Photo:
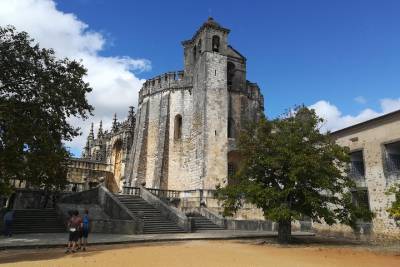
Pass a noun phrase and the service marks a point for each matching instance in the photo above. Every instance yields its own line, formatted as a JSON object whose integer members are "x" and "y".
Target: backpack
{"x": 85, "y": 222}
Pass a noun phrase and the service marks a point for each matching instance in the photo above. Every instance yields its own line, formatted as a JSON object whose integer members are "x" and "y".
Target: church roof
{"x": 209, "y": 23}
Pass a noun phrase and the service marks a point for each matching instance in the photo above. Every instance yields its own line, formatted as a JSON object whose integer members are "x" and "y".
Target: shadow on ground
{"x": 29, "y": 255}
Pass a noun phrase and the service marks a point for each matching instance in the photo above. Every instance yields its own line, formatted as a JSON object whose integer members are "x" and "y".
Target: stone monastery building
{"x": 181, "y": 144}
{"x": 183, "y": 134}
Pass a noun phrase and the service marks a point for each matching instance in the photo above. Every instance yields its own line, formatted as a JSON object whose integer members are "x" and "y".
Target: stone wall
{"x": 216, "y": 121}
{"x": 370, "y": 138}
{"x": 108, "y": 214}
{"x": 199, "y": 95}
{"x": 82, "y": 171}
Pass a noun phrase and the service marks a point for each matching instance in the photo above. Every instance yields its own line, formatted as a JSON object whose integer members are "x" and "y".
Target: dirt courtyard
{"x": 203, "y": 253}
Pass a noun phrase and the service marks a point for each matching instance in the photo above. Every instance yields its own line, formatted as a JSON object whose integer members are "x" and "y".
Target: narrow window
{"x": 215, "y": 43}
{"x": 178, "y": 127}
{"x": 392, "y": 157}
{"x": 230, "y": 72}
{"x": 357, "y": 169}
{"x": 194, "y": 53}
{"x": 360, "y": 199}
{"x": 199, "y": 46}
{"x": 357, "y": 164}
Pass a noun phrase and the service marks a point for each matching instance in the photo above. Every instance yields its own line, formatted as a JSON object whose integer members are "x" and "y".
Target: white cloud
{"x": 115, "y": 86}
{"x": 335, "y": 120}
{"x": 360, "y": 100}
{"x": 389, "y": 105}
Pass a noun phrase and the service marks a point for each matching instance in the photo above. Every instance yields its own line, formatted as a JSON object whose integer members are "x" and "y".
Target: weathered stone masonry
{"x": 187, "y": 120}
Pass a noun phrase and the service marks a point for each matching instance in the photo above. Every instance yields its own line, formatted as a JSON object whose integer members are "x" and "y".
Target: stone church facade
{"x": 105, "y": 156}
{"x": 183, "y": 136}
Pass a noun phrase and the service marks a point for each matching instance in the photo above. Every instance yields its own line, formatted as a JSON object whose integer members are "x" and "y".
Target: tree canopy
{"x": 38, "y": 94}
{"x": 291, "y": 170}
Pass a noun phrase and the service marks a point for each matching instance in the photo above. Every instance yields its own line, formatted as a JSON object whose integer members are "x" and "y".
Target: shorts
{"x": 73, "y": 236}
{"x": 85, "y": 233}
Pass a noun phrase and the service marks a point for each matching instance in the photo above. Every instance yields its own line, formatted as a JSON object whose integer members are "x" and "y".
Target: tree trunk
{"x": 284, "y": 231}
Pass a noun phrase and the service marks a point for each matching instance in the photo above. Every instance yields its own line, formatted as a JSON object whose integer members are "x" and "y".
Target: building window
{"x": 392, "y": 157}
{"x": 215, "y": 43}
{"x": 357, "y": 169}
{"x": 178, "y": 127}
{"x": 360, "y": 198}
{"x": 392, "y": 162}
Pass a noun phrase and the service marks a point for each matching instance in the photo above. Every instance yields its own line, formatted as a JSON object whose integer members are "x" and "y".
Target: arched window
{"x": 231, "y": 128}
{"x": 230, "y": 72}
{"x": 215, "y": 43}
{"x": 199, "y": 46}
{"x": 178, "y": 127}
{"x": 194, "y": 52}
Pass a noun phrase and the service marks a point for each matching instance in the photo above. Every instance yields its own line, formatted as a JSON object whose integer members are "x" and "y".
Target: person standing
{"x": 74, "y": 227}
{"x": 8, "y": 221}
{"x": 85, "y": 229}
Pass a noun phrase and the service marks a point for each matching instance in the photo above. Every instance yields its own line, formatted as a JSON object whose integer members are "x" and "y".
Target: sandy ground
{"x": 203, "y": 253}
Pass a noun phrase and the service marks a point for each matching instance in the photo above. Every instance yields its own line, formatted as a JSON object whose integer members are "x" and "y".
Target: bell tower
{"x": 210, "y": 37}
{"x": 206, "y": 64}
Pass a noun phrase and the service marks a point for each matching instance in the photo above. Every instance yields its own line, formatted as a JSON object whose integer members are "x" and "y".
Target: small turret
{"x": 86, "y": 151}
{"x": 114, "y": 124}
{"x": 91, "y": 134}
{"x": 100, "y": 132}
{"x": 131, "y": 117}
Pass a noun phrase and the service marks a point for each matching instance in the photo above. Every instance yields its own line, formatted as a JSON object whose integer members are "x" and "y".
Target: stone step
{"x": 154, "y": 221}
{"x": 158, "y": 223}
{"x": 203, "y": 223}
{"x": 164, "y": 232}
{"x": 37, "y": 221}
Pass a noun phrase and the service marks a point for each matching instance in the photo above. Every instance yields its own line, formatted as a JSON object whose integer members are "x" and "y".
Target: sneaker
{"x": 84, "y": 249}
{"x": 67, "y": 251}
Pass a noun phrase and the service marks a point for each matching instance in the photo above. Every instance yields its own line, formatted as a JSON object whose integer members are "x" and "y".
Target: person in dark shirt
{"x": 74, "y": 227}
{"x": 8, "y": 221}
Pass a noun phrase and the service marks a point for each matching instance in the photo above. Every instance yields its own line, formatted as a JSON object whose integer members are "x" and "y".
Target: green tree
{"x": 38, "y": 94}
{"x": 394, "y": 210}
{"x": 290, "y": 170}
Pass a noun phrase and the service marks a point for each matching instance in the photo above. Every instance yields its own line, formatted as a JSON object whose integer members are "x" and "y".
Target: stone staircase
{"x": 37, "y": 221}
{"x": 154, "y": 222}
{"x": 201, "y": 223}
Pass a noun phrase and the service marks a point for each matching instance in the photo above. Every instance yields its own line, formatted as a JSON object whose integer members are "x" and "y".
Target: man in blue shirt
{"x": 85, "y": 229}
{"x": 8, "y": 220}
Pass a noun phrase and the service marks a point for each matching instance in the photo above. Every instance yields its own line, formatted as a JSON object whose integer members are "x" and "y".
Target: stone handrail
{"x": 215, "y": 218}
{"x": 108, "y": 202}
{"x": 232, "y": 224}
{"x": 112, "y": 206}
{"x": 169, "y": 212}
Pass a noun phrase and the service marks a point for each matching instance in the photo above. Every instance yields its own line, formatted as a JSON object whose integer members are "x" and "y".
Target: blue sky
{"x": 340, "y": 57}
{"x": 298, "y": 51}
